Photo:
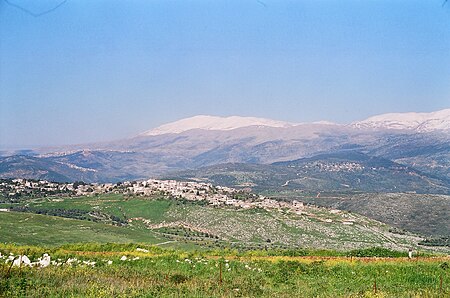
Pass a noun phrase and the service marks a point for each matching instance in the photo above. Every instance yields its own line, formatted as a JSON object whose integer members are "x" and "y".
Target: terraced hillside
{"x": 425, "y": 214}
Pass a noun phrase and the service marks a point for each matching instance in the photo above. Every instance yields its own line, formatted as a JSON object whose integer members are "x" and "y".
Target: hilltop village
{"x": 13, "y": 189}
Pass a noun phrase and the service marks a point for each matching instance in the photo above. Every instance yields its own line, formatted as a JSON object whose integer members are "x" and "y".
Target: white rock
{"x": 22, "y": 261}
{"x": 44, "y": 261}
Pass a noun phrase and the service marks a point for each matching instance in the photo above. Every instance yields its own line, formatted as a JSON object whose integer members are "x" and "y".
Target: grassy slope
{"x": 26, "y": 228}
{"x": 114, "y": 204}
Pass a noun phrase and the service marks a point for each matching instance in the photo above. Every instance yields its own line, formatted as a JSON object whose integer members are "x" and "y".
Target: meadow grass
{"x": 28, "y": 228}
{"x": 174, "y": 273}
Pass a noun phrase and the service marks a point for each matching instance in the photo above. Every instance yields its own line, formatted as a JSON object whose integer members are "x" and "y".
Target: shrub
{"x": 376, "y": 252}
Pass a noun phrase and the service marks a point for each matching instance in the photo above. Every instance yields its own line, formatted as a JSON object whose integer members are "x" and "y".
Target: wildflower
{"x": 110, "y": 262}
{"x": 142, "y": 249}
{"x": 70, "y": 261}
{"x": 89, "y": 263}
{"x": 123, "y": 258}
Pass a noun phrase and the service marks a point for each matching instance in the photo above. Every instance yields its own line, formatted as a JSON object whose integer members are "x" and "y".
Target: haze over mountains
{"x": 411, "y": 149}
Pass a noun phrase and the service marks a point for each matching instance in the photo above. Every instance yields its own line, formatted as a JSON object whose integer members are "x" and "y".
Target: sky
{"x": 96, "y": 70}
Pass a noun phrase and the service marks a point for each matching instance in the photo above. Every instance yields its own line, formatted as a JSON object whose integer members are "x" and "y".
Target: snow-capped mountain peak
{"x": 421, "y": 122}
{"x": 214, "y": 123}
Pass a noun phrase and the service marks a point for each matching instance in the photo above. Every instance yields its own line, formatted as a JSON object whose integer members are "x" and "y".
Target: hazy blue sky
{"x": 103, "y": 70}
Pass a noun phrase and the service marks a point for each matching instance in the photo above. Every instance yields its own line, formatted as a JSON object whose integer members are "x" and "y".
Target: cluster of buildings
{"x": 192, "y": 191}
{"x": 15, "y": 188}
{"x": 336, "y": 166}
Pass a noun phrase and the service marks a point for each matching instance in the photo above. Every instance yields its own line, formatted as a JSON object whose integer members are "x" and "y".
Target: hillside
{"x": 36, "y": 229}
{"x": 156, "y": 219}
{"x": 37, "y": 168}
{"x": 424, "y": 214}
{"x": 345, "y": 170}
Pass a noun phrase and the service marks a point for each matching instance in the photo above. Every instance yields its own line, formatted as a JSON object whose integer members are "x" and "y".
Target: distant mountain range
{"x": 391, "y": 152}
{"x": 421, "y": 122}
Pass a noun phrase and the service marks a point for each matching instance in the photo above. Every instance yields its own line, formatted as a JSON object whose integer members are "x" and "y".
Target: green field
{"x": 169, "y": 273}
{"x": 33, "y": 229}
{"x": 114, "y": 204}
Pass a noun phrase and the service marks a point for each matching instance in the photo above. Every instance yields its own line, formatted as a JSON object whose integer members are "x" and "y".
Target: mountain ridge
{"x": 421, "y": 122}
{"x": 208, "y": 122}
